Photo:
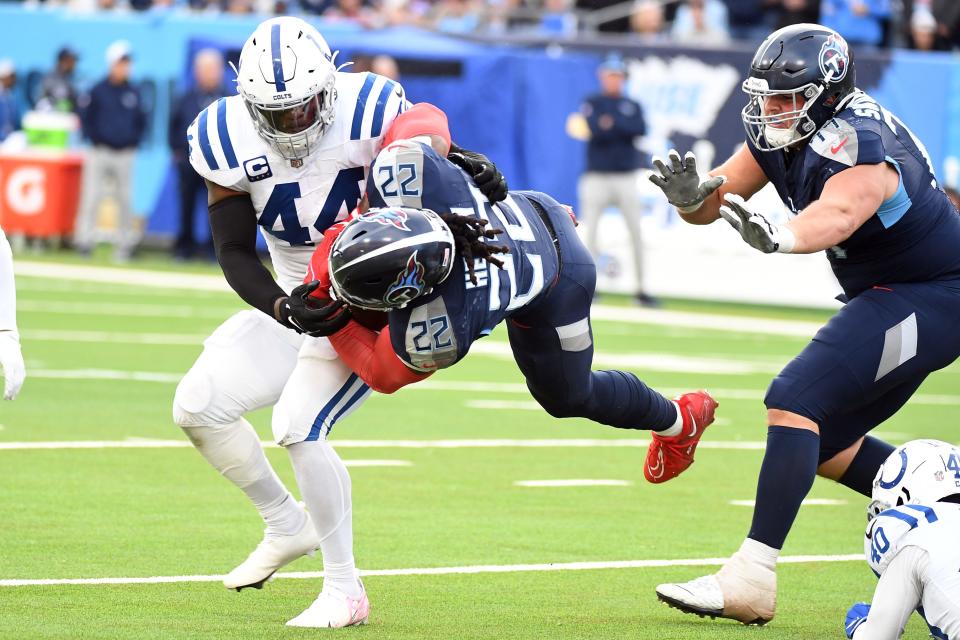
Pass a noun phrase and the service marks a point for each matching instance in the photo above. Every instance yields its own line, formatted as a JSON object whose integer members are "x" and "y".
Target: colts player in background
{"x": 288, "y": 155}
{"x": 11, "y": 360}
{"x": 862, "y": 189}
{"x": 447, "y": 266}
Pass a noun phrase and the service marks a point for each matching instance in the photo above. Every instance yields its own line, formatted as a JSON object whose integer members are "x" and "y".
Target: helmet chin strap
{"x": 778, "y": 137}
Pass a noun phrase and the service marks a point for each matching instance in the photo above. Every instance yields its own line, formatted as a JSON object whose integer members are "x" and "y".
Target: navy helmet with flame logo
{"x": 808, "y": 62}
{"x": 388, "y": 257}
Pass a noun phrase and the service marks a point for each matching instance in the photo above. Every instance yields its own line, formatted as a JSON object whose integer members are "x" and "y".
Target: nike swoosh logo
{"x": 657, "y": 471}
{"x": 839, "y": 145}
{"x": 694, "y": 421}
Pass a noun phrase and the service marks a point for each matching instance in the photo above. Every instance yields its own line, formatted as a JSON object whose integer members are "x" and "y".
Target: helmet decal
{"x": 408, "y": 285}
{"x": 834, "y": 59}
{"x": 889, "y": 484}
{"x": 396, "y": 218}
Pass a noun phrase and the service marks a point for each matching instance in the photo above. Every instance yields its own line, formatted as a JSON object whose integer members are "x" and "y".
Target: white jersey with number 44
{"x": 296, "y": 201}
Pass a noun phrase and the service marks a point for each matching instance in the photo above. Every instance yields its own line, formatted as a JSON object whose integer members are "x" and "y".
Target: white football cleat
{"x": 273, "y": 552}
{"x": 742, "y": 590}
{"x": 334, "y": 609}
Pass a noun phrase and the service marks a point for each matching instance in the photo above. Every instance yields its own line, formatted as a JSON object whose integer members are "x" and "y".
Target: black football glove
{"x": 485, "y": 174}
{"x": 308, "y": 315}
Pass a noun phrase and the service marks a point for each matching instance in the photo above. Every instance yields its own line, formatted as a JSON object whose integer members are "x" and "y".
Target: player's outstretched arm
{"x": 848, "y": 200}
{"x": 11, "y": 360}
{"x": 897, "y": 596}
{"x": 698, "y": 201}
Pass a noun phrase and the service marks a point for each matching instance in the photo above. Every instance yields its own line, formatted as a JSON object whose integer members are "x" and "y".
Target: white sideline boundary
{"x": 436, "y": 571}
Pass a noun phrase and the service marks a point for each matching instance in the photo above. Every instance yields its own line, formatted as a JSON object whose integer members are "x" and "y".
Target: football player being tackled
{"x": 445, "y": 266}
{"x": 288, "y": 155}
{"x": 862, "y": 189}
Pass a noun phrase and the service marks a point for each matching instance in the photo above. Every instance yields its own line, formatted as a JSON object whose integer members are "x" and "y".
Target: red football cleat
{"x": 669, "y": 456}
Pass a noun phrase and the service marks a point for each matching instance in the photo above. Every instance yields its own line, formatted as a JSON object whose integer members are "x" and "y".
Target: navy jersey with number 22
{"x": 436, "y": 331}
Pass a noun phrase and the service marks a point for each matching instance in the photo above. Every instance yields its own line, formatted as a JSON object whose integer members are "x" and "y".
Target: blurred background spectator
{"x": 208, "y": 86}
{"x": 615, "y": 123}
{"x": 923, "y": 29}
{"x": 10, "y": 108}
{"x": 647, "y": 20}
{"x": 749, "y": 20}
{"x": 113, "y": 121}
{"x": 57, "y": 89}
{"x": 798, "y": 11}
{"x": 701, "y": 22}
{"x": 858, "y": 21}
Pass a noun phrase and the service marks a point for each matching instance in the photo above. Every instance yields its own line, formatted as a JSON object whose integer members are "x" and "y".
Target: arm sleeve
{"x": 8, "y": 292}
{"x": 371, "y": 356}
{"x": 897, "y": 596}
{"x": 233, "y": 225}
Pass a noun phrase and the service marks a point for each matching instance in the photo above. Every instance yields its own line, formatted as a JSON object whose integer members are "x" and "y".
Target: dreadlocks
{"x": 468, "y": 233}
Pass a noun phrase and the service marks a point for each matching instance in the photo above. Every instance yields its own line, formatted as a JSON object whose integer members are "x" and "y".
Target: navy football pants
{"x": 552, "y": 343}
{"x": 867, "y": 361}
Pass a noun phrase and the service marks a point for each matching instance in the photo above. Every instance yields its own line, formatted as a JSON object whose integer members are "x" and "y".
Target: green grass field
{"x": 103, "y": 361}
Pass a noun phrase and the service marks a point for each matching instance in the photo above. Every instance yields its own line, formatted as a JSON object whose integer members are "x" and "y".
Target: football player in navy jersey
{"x": 861, "y": 188}
{"x": 447, "y": 266}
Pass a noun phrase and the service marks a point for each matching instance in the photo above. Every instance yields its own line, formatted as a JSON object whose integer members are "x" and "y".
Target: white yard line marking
{"x": 112, "y": 275}
{"x": 438, "y": 571}
{"x": 572, "y": 483}
{"x": 653, "y": 361}
{"x": 439, "y": 385}
{"x": 144, "y": 278}
{"x": 113, "y": 337}
{"x": 132, "y": 310}
{"x": 560, "y": 443}
{"x": 809, "y": 502}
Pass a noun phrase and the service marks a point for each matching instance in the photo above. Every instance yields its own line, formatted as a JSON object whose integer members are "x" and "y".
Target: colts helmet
{"x": 387, "y": 257}
{"x": 918, "y": 472}
{"x": 286, "y": 78}
{"x": 811, "y": 63}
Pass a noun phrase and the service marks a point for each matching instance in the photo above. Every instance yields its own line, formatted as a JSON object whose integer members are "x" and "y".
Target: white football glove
{"x": 11, "y": 361}
{"x": 680, "y": 182}
{"x": 754, "y": 228}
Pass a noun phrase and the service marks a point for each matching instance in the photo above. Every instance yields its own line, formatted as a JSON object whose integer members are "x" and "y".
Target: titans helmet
{"x": 387, "y": 257}
{"x": 286, "y": 77}
{"x": 811, "y": 64}
{"x": 918, "y": 472}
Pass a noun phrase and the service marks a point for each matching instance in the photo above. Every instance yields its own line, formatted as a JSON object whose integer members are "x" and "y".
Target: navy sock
{"x": 863, "y": 468}
{"x": 621, "y": 399}
{"x": 786, "y": 475}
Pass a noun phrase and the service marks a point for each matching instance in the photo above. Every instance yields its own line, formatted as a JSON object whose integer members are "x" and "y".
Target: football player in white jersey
{"x": 911, "y": 544}
{"x": 289, "y": 154}
{"x": 11, "y": 360}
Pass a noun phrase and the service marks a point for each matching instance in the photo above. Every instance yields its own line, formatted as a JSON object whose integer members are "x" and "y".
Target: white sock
{"x": 235, "y": 451}
{"x": 325, "y": 486}
{"x": 760, "y": 553}
{"x": 677, "y": 427}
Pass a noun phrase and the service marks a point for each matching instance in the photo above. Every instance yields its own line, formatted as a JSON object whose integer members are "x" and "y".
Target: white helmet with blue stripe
{"x": 286, "y": 78}
{"x": 918, "y": 472}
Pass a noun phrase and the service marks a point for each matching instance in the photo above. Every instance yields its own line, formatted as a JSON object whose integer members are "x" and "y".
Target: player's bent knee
{"x": 562, "y": 406}
{"x": 782, "y": 418}
{"x": 194, "y": 403}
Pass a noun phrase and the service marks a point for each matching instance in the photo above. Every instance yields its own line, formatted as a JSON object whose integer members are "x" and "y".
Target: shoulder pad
{"x": 370, "y": 103}
{"x": 428, "y": 342}
{"x": 211, "y": 146}
{"x": 837, "y": 141}
{"x": 397, "y": 174}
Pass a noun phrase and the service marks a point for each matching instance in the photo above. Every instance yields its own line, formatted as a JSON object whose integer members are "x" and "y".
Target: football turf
{"x": 104, "y": 360}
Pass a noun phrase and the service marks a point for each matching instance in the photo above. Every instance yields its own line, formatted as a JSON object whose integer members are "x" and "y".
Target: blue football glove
{"x": 855, "y": 617}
